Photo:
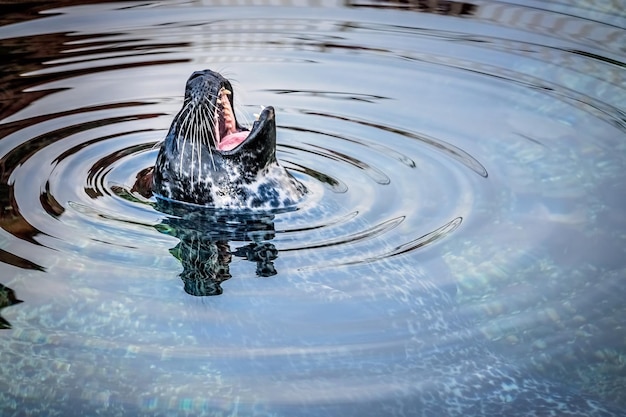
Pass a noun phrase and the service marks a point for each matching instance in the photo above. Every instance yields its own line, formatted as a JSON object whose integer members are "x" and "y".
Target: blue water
{"x": 466, "y": 168}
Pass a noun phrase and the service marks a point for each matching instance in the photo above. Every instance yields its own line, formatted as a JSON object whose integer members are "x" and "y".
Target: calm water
{"x": 467, "y": 209}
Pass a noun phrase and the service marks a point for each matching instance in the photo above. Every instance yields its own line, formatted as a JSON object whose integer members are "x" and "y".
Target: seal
{"x": 208, "y": 158}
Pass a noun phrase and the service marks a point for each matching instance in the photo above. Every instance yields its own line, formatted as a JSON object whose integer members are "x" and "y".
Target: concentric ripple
{"x": 465, "y": 166}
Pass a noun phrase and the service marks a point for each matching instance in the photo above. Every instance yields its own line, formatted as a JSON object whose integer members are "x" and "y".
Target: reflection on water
{"x": 444, "y": 7}
{"x": 461, "y": 250}
{"x": 203, "y": 248}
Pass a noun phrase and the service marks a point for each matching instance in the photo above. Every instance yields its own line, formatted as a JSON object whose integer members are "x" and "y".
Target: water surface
{"x": 466, "y": 165}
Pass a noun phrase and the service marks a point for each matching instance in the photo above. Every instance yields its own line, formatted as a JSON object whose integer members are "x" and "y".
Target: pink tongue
{"x": 229, "y": 142}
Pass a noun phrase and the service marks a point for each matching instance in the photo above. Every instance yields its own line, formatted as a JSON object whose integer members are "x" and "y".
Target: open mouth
{"x": 227, "y": 132}
{"x": 228, "y": 135}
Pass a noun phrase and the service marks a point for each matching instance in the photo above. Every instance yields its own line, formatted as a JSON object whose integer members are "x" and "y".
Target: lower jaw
{"x": 233, "y": 140}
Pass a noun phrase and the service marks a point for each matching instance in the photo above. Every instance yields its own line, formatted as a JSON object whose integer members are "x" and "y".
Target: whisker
{"x": 181, "y": 131}
{"x": 244, "y": 116}
{"x": 207, "y": 134}
{"x": 198, "y": 134}
{"x": 201, "y": 121}
{"x": 193, "y": 136}
{"x": 180, "y": 114}
{"x": 198, "y": 120}
{"x": 210, "y": 103}
{"x": 216, "y": 127}
{"x": 207, "y": 115}
{"x": 211, "y": 108}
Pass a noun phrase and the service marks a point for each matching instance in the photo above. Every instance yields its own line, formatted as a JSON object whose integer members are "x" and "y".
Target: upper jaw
{"x": 222, "y": 131}
{"x": 261, "y": 139}
{"x": 224, "y": 119}
{"x": 229, "y": 136}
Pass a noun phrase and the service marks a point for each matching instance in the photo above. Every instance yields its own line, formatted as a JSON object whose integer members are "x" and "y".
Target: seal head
{"x": 209, "y": 159}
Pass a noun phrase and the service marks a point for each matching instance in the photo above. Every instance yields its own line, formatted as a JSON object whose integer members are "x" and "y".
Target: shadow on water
{"x": 204, "y": 248}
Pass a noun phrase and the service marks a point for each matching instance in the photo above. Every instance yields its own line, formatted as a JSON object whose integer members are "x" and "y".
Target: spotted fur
{"x": 191, "y": 167}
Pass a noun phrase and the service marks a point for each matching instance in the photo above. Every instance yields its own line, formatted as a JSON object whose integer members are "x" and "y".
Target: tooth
{"x": 257, "y": 115}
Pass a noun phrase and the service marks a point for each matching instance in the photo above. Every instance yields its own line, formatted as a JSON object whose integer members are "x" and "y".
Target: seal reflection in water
{"x": 208, "y": 158}
{"x": 204, "y": 243}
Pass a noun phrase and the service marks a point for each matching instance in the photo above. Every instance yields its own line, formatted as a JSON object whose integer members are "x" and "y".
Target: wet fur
{"x": 190, "y": 168}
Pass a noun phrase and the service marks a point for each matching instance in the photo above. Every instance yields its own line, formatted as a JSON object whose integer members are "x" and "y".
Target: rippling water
{"x": 466, "y": 166}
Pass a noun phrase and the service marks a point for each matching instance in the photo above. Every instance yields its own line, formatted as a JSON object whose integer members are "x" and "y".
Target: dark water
{"x": 467, "y": 209}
